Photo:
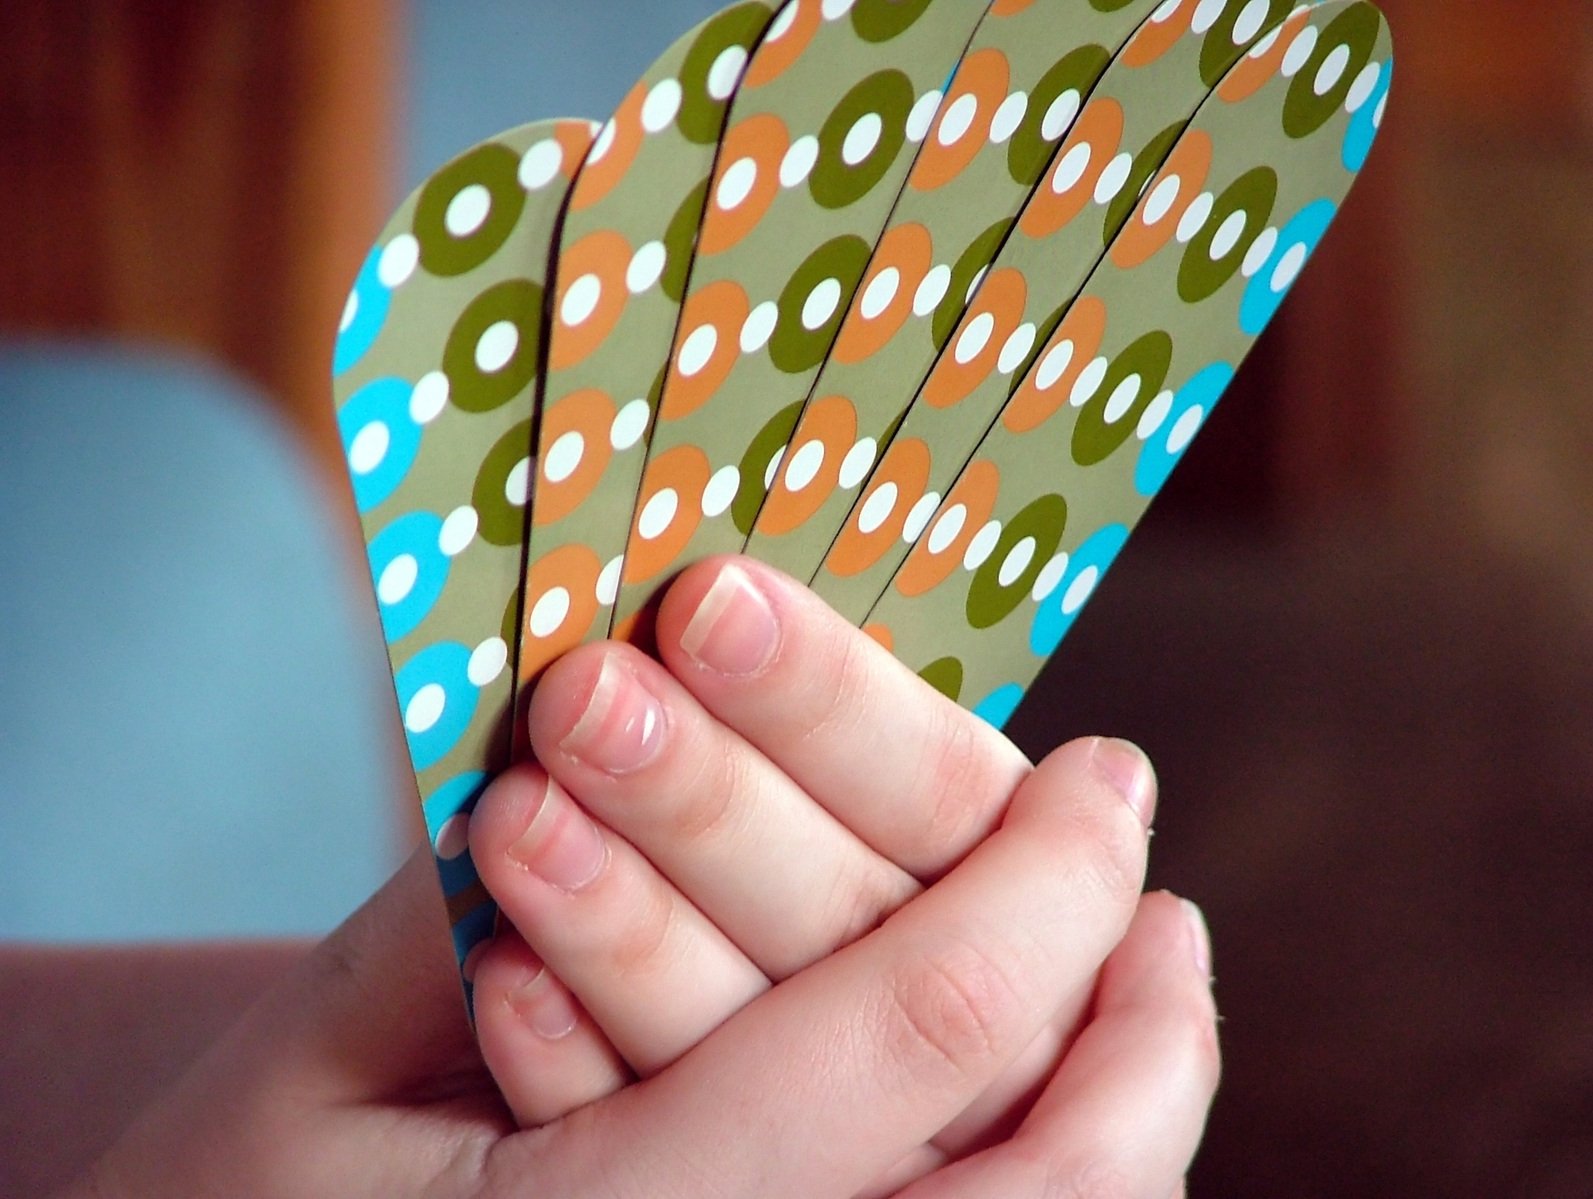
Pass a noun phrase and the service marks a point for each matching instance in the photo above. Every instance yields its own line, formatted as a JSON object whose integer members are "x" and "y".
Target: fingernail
{"x": 623, "y": 724}
{"x": 733, "y": 631}
{"x": 1200, "y": 938}
{"x": 561, "y": 846}
{"x": 544, "y": 1006}
{"x": 1125, "y": 766}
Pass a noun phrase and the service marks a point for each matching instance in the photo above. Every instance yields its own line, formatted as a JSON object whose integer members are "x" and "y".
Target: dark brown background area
{"x": 1356, "y": 633}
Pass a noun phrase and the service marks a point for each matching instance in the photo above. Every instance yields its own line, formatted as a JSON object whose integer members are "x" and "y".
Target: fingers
{"x": 1125, "y": 1111}
{"x": 839, "y": 1073}
{"x": 912, "y": 774}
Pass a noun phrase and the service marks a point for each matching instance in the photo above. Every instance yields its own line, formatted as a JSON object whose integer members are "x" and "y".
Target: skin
{"x": 786, "y": 922}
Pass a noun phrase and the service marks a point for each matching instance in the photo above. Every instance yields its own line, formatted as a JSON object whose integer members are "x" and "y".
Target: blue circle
{"x": 1362, "y": 133}
{"x": 385, "y": 402}
{"x": 415, "y": 535}
{"x": 1157, "y": 457}
{"x": 371, "y": 300}
{"x": 446, "y": 665}
{"x": 1051, "y": 623}
{"x": 457, "y": 795}
{"x": 997, "y": 707}
{"x": 1262, "y": 299}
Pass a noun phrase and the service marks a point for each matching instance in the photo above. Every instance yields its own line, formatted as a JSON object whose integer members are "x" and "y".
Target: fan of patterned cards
{"x": 919, "y": 300}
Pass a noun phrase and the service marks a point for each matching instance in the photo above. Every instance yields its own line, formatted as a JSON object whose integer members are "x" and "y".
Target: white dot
{"x": 1165, "y": 12}
{"x": 453, "y": 838}
{"x": 548, "y": 613}
{"x": 604, "y": 142}
{"x": 468, "y": 210}
{"x": 1155, "y": 413}
{"x": 369, "y": 447}
{"x": 781, "y": 25}
{"x": 487, "y": 661}
{"x": 918, "y": 517}
{"x": 1299, "y": 51}
{"x": 1080, "y": 590}
{"x": 458, "y": 531}
{"x": 975, "y": 336}
{"x": 1016, "y": 562}
{"x": 563, "y": 456}
{"x": 657, "y": 514}
{"x": 1363, "y": 87}
{"x": 1377, "y": 114}
{"x": 1260, "y": 250}
{"x": 1016, "y": 349}
{"x": 879, "y": 293}
{"x": 497, "y": 346}
{"x": 661, "y": 105}
{"x": 608, "y": 580}
{"x": 540, "y": 164}
{"x": 398, "y": 579}
{"x": 735, "y": 185}
{"x": 1162, "y": 199}
{"x": 429, "y": 398}
{"x": 804, "y": 465}
{"x": 351, "y": 309}
{"x": 1184, "y": 429}
{"x": 1049, "y": 578}
{"x": 759, "y": 326}
{"x": 859, "y": 459}
{"x": 697, "y": 349}
{"x": 798, "y": 161}
{"x": 982, "y": 546}
{"x": 1070, "y": 168}
{"x": 726, "y": 72}
{"x": 1009, "y": 116}
{"x": 946, "y": 528}
{"x": 821, "y": 303}
{"x": 630, "y": 422}
{"x": 720, "y": 491}
{"x": 580, "y": 300}
{"x": 398, "y": 261}
{"x": 1054, "y": 365}
{"x": 922, "y": 115}
{"x": 1089, "y": 382}
{"x": 1123, "y": 397}
{"x": 1228, "y": 235}
{"x": 517, "y": 484}
{"x": 861, "y": 138}
{"x": 835, "y": 9}
{"x": 1060, "y": 115}
{"x": 425, "y": 708}
{"x": 1206, "y": 14}
{"x": 1114, "y": 178}
{"x": 957, "y": 119}
{"x": 1250, "y": 21}
{"x": 877, "y": 507}
{"x": 973, "y": 284}
{"x": 773, "y": 467}
{"x": 646, "y": 265}
{"x": 1195, "y": 217}
{"x": 932, "y": 289}
{"x": 1289, "y": 267}
{"x": 1264, "y": 47}
{"x": 1331, "y": 70}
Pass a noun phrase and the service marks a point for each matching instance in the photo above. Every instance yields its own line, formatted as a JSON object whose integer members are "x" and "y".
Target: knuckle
{"x": 1090, "y": 1178}
{"x": 704, "y": 802}
{"x": 641, "y": 944}
{"x": 860, "y": 902}
{"x": 834, "y": 698}
{"x": 954, "y": 775}
{"x": 950, "y": 1015}
{"x": 1110, "y": 850}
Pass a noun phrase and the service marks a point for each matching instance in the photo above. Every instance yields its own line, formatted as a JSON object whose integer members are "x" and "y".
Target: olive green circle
{"x": 795, "y": 348}
{"x": 1146, "y": 163}
{"x": 1029, "y": 152}
{"x": 1356, "y": 28}
{"x": 1110, "y": 5}
{"x": 510, "y": 628}
{"x": 1220, "y": 51}
{"x": 701, "y": 117}
{"x": 1254, "y": 193}
{"x": 834, "y": 183}
{"x": 493, "y": 167}
{"x": 502, "y": 523}
{"x": 945, "y": 676}
{"x": 518, "y": 301}
{"x": 981, "y": 252}
{"x": 1150, "y": 357}
{"x": 881, "y": 20}
{"x": 989, "y": 602}
{"x": 769, "y": 441}
{"x": 680, "y": 239}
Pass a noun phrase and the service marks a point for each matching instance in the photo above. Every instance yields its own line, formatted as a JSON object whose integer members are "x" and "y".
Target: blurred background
{"x": 1356, "y": 632}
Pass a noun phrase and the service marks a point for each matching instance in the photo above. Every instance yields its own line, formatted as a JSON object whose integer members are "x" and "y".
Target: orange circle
{"x": 1033, "y": 404}
{"x": 722, "y": 308}
{"x": 603, "y": 256}
{"x": 780, "y": 49}
{"x": 998, "y": 304}
{"x": 599, "y": 175}
{"x": 587, "y": 414}
{"x": 1250, "y": 74}
{"x": 983, "y": 76}
{"x": 574, "y": 569}
{"x": 831, "y": 425}
{"x": 760, "y": 141}
{"x": 1006, "y": 8}
{"x": 1155, "y": 38}
{"x": 905, "y": 467}
{"x": 1100, "y": 128}
{"x": 909, "y": 251}
{"x": 682, "y": 470}
{"x": 882, "y": 634}
{"x": 1189, "y": 164}
{"x": 975, "y": 490}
